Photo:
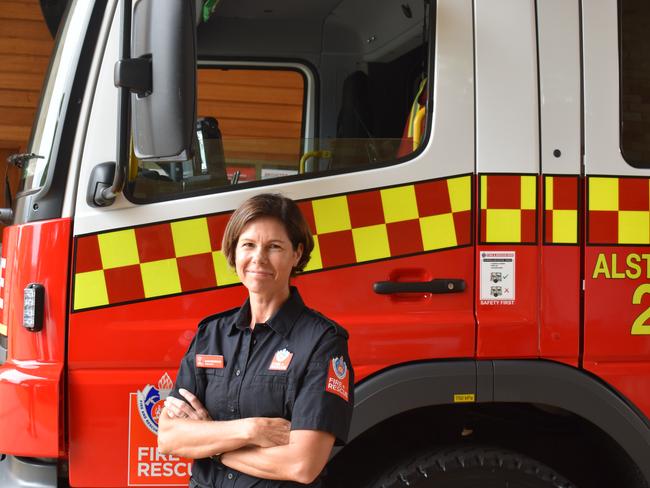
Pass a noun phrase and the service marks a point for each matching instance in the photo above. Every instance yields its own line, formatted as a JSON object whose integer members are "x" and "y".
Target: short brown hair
{"x": 274, "y": 206}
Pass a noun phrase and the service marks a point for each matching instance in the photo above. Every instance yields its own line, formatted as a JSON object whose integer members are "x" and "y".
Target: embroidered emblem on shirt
{"x": 337, "y": 378}
{"x": 209, "y": 361}
{"x": 281, "y": 360}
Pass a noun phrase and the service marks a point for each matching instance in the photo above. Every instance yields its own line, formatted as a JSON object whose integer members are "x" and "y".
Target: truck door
{"x": 617, "y": 202}
{"x": 366, "y": 122}
{"x": 558, "y": 25}
{"x": 507, "y": 160}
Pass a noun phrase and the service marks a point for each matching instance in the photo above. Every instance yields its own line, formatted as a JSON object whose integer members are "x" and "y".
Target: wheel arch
{"x": 415, "y": 385}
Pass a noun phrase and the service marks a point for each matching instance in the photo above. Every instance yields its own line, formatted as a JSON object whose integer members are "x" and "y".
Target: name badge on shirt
{"x": 209, "y": 361}
{"x": 281, "y": 360}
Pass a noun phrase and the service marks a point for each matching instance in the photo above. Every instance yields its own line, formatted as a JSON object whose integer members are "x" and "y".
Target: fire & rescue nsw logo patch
{"x": 146, "y": 465}
{"x": 151, "y": 401}
{"x": 281, "y": 360}
{"x": 338, "y": 379}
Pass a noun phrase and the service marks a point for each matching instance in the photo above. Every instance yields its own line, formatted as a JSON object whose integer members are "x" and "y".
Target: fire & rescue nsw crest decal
{"x": 146, "y": 465}
{"x": 338, "y": 379}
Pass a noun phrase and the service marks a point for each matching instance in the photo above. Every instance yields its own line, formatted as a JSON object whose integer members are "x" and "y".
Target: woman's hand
{"x": 176, "y": 408}
{"x": 269, "y": 432}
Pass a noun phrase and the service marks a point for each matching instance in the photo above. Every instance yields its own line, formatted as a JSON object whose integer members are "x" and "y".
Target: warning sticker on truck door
{"x": 497, "y": 278}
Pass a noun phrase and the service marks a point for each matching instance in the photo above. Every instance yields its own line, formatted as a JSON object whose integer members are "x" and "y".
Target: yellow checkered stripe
{"x": 508, "y": 209}
{"x": 170, "y": 258}
{"x": 561, "y": 203}
{"x": 618, "y": 210}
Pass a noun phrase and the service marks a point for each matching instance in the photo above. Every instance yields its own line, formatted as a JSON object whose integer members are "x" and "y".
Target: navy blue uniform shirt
{"x": 295, "y": 366}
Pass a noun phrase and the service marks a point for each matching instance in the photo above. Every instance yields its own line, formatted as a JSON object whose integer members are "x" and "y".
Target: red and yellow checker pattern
{"x": 508, "y": 208}
{"x": 561, "y": 209}
{"x": 170, "y": 258}
{"x": 619, "y": 210}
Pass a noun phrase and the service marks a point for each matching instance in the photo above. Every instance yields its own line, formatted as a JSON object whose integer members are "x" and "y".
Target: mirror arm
{"x": 107, "y": 195}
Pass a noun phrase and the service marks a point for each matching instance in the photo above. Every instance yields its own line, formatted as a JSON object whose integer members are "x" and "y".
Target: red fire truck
{"x": 477, "y": 178}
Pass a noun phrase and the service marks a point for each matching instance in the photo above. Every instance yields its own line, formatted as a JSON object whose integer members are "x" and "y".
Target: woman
{"x": 265, "y": 390}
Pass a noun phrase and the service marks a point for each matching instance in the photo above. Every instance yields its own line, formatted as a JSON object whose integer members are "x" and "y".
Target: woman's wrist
{"x": 250, "y": 430}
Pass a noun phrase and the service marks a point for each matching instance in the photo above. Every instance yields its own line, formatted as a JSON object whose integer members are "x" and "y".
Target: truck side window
{"x": 352, "y": 94}
{"x": 634, "y": 45}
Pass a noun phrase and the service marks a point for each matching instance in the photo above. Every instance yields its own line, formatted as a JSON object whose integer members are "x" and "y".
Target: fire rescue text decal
{"x": 146, "y": 465}
{"x": 632, "y": 266}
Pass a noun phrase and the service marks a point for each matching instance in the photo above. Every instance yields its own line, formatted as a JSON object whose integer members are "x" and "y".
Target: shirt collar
{"x": 281, "y": 322}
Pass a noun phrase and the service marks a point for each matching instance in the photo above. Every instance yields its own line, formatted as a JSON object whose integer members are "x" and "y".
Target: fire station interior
{"x": 299, "y": 89}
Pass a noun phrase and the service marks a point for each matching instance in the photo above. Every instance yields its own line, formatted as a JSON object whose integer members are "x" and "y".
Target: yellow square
{"x": 160, "y": 278}
{"x": 118, "y": 249}
{"x": 90, "y": 290}
{"x": 191, "y": 237}
{"x": 460, "y": 193}
{"x": 371, "y": 242}
{"x": 484, "y": 192}
{"x": 565, "y": 226}
{"x": 315, "y": 261}
{"x": 399, "y": 204}
{"x": 225, "y": 274}
{"x": 633, "y": 227}
{"x": 528, "y": 192}
{"x": 549, "y": 193}
{"x": 438, "y": 232}
{"x": 331, "y": 214}
{"x": 503, "y": 225}
{"x": 603, "y": 193}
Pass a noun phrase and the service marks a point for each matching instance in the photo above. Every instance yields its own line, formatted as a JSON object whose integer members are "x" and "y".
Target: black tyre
{"x": 471, "y": 468}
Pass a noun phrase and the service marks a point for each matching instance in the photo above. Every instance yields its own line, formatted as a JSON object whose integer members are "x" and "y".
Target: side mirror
{"x": 161, "y": 76}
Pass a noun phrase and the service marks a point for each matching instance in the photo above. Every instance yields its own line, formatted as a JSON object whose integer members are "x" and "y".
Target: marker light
{"x": 33, "y": 302}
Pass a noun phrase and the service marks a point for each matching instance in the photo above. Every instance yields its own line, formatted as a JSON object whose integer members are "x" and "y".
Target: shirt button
{"x": 238, "y": 372}
{"x": 232, "y": 409}
{"x": 254, "y": 341}
{"x": 230, "y": 476}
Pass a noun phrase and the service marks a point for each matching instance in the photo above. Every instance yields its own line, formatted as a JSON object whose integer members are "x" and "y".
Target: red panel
{"x": 88, "y": 256}
{"x": 633, "y": 194}
{"x": 196, "y": 272}
{"x": 365, "y": 209}
{"x": 504, "y": 191}
{"x": 216, "y": 229}
{"x": 548, "y": 231}
{"x": 124, "y": 284}
{"x": 463, "y": 226}
{"x": 483, "y": 225}
{"x": 603, "y": 226}
{"x": 528, "y": 225}
{"x": 612, "y": 275}
{"x": 155, "y": 242}
{"x": 433, "y": 198}
{"x": 404, "y": 237}
{"x": 308, "y": 212}
{"x": 565, "y": 193}
{"x": 560, "y": 303}
{"x": 30, "y": 390}
{"x": 337, "y": 248}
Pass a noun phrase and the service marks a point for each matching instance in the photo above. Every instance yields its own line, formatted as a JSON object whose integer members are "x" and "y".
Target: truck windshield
{"x": 48, "y": 124}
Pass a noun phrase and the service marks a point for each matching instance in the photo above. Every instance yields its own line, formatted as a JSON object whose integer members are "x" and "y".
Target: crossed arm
{"x": 258, "y": 446}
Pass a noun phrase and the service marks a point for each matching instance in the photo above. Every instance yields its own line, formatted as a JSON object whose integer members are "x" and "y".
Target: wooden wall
{"x": 259, "y": 112}
{"x": 25, "y": 46}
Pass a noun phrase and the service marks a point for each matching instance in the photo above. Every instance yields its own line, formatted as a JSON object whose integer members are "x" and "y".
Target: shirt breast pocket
{"x": 272, "y": 394}
{"x": 215, "y": 391}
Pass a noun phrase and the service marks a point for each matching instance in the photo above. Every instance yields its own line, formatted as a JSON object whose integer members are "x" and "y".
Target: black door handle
{"x": 438, "y": 285}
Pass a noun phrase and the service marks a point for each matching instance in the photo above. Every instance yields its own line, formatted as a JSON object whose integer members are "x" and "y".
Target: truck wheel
{"x": 470, "y": 468}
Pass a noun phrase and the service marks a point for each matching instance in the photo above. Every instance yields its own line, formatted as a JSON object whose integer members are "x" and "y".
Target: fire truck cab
{"x": 477, "y": 179}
